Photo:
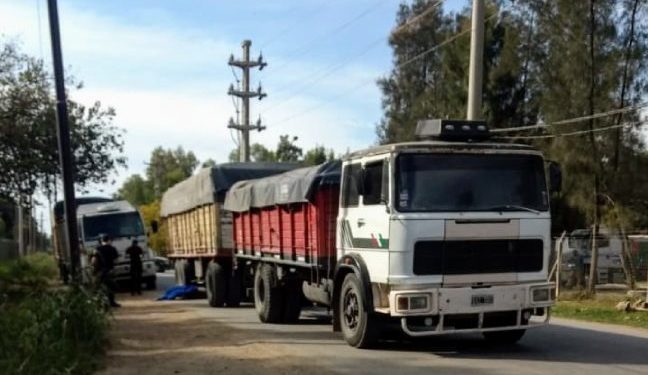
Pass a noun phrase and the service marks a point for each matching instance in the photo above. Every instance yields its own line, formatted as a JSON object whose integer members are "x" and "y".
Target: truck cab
{"x": 123, "y": 223}
{"x": 448, "y": 234}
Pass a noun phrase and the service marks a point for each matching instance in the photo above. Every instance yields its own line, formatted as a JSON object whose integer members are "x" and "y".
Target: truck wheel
{"x": 360, "y": 328}
{"x": 215, "y": 282}
{"x": 504, "y": 337}
{"x": 180, "y": 276}
{"x": 151, "y": 284}
{"x": 234, "y": 287}
{"x": 268, "y": 296}
{"x": 292, "y": 301}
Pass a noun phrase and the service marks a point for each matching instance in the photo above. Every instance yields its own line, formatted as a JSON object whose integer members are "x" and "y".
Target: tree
{"x": 287, "y": 150}
{"x": 28, "y": 144}
{"x": 136, "y": 190}
{"x": 168, "y": 167}
{"x": 157, "y": 241}
{"x": 430, "y": 74}
{"x": 318, "y": 155}
{"x": 209, "y": 163}
{"x": 258, "y": 153}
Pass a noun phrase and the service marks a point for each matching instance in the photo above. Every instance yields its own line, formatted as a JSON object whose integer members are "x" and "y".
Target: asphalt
{"x": 563, "y": 347}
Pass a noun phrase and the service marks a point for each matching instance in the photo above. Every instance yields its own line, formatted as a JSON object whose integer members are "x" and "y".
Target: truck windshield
{"x": 114, "y": 225}
{"x": 470, "y": 182}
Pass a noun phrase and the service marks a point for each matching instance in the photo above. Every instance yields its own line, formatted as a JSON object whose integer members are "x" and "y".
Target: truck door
{"x": 363, "y": 224}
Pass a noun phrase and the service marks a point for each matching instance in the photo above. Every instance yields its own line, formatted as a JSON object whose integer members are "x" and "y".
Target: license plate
{"x": 483, "y": 299}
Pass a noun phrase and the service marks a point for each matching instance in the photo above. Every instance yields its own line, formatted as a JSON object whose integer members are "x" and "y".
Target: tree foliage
{"x": 28, "y": 144}
{"x": 167, "y": 167}
{"x": 287, "y": 151}
{"x": 543, "y": 61}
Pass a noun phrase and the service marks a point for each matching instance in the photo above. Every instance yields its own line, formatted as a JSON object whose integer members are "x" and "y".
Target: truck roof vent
{"x": 452, "y": 130}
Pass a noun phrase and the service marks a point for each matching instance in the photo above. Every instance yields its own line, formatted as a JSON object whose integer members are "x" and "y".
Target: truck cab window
{"x": 374, "y": 189}
{"x": 350, "y": 195}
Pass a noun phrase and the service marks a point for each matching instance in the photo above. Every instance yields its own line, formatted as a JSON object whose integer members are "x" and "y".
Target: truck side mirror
{"x": 154, "y": 226}
{"x": 555, "y": 177}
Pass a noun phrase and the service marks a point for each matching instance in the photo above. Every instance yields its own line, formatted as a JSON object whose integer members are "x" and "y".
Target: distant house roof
{"x": 209, "y": 185}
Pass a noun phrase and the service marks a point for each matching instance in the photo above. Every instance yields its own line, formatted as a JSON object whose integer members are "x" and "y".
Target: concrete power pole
{"x": 245, "y": 94}
{"x": 476, "y": 61}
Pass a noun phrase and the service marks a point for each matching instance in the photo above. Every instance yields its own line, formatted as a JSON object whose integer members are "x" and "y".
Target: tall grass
{"x": 46, "y": 328}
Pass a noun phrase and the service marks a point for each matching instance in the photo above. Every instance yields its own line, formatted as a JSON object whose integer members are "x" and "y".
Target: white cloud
{"x": 168, "y": 84}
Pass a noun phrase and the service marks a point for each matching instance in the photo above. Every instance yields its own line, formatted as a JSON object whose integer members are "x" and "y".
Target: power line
{"x": 330, "y": 69}
{"x": 304, "y": 47}
{"x": 399, "y": 66}
{"x": 285, "y": 30}
{"x": 573, "y": 120}
{"x": 577, "y": 132}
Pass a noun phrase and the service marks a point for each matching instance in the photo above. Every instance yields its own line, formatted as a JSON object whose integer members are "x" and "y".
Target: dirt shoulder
{"x": 151, "y": 337}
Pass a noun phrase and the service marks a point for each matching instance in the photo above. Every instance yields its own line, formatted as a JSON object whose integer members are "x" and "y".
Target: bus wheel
{"x": 360, "y": 328}
{"x": 268, "y": 296}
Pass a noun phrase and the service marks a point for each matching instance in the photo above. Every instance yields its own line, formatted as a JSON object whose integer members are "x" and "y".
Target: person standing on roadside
{"x": 104, "y": 262}
{"x": 135, "y": 254}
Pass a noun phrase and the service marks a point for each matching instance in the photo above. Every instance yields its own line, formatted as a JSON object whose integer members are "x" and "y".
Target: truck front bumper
{"x": 468, "y": 309}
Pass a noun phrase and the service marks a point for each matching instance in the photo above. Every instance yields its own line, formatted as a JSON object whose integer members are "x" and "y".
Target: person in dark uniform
{"x": 135, "y": 253}
{"x": 104, "y": 262}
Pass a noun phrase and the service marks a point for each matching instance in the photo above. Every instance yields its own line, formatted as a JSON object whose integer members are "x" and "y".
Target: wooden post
{"x": 593, "y": 275}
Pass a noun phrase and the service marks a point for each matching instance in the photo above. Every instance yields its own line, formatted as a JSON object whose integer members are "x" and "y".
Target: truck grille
{"x": 476, "y": 257}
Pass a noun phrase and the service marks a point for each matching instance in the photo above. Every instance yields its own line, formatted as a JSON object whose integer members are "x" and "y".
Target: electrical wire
{"x": 577, "y": 132}
{"x": 399, "y": 66}
{"x": 330, "y": 69}
{"x": 285, "y": 30}
{"x": 573, "y": 120}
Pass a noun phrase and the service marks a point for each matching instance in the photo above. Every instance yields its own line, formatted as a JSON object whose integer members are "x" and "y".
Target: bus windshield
{"x": 115, "y": 225}
{"x": 470, "y": 182}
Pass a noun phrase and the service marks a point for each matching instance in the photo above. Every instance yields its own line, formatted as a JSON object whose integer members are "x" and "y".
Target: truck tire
{"x": 504, "y": 337}
{"x": 268, "y": 296}
{"x": 215, "y": 283}
{"x": 234, "y": 287}
{"x": 360, "y": 328}
{"x": 292, "y": 301}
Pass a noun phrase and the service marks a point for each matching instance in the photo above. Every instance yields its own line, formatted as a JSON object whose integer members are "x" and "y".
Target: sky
{"x": 162, "y": 65}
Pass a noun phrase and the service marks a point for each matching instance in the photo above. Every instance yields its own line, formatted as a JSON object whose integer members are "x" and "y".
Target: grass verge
{"x": 600, "y": 309}
{"x": 47, "y": 328}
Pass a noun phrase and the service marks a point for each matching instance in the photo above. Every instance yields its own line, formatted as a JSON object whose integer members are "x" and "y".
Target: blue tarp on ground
{"x": 178, "y": 291}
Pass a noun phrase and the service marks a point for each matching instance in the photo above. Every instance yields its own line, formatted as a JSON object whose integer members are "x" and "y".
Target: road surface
{"x": 189, "y": 337}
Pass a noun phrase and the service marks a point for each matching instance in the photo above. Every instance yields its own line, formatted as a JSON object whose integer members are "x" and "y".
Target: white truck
{"x": 118, "y": 219}
{"x": 449, "y": 234}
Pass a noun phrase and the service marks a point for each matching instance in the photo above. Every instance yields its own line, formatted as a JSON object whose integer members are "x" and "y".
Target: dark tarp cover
{"x": 210, "y": 184}
{"x": 294, "y": 186}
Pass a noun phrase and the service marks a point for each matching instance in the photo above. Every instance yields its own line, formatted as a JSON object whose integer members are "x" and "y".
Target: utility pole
{"x": 245, "y": 94}
{"x": 63, "y": 135}
{"x": 21, "y": 229}
{"x": 476, "y": 61}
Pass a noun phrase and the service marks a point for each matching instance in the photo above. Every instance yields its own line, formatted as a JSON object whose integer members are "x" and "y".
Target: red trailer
{"x": 284, "y": 236}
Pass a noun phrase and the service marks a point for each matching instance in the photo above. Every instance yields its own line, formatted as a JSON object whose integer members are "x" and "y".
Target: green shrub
{"x": 48, "y": 328}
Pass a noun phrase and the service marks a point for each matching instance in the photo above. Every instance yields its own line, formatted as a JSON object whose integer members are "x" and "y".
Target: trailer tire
{"x": 234, "y": 287}
{"x": 151, "y": 283}
{"x": 504, "y": 337}
{"x": 268, "y": 296}
{"x": 292, "y": 301}
{"x": 360, "y": 328}
{"x": 215, "y": 283}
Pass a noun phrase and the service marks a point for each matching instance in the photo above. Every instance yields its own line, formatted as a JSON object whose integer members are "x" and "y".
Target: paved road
{"x": 562, "y": 348}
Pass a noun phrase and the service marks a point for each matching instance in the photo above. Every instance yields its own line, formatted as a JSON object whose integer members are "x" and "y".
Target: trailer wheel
{"x": 215, "y": 283}
{"x": 234, "y": 287}
{"x": 504, "y": 337}
{"x": 268, "y": 296}
{"x": 360, "y": 328}
{"x": 292, "y": 301}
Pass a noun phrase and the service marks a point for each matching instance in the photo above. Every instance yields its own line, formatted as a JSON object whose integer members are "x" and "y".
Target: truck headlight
{"x": 541, "y": 294}
{"x": 412, "y": 302}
